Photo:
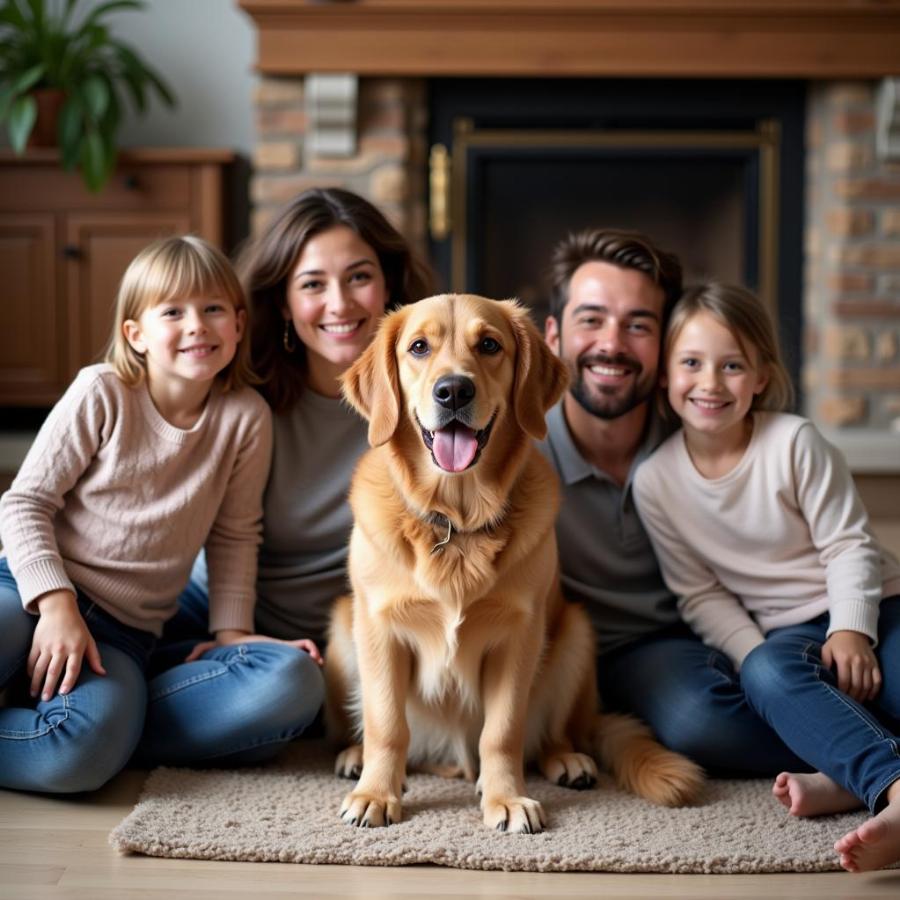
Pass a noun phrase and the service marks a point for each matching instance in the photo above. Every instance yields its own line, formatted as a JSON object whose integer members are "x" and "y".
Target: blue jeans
{"x": 190, "y": 624}
{"x": 234, "y": 705}
{"x": 855, "y": 745}
{"x": 692, "y": 699}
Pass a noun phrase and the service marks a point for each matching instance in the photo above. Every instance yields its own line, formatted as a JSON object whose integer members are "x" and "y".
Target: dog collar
{"x": 439, "y": 546}
{"x": 439, "y": 520}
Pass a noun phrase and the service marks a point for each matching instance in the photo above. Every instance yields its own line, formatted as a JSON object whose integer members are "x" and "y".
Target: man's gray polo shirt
{"x": 606, "y": 558}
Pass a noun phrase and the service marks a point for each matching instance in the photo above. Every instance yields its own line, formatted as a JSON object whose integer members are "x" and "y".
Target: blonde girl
{"x": 149, "y": 456}
{"x": 760, "y": 533}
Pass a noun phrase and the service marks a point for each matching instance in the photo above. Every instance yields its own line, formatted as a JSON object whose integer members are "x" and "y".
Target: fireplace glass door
{"x": 716, "y": 182}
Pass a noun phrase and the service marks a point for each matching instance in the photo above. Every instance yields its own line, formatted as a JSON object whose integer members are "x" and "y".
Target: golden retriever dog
{"x": 456, "y": 653}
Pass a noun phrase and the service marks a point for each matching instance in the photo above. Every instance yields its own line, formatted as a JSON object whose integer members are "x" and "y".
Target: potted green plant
{"x": 46, "y": 51}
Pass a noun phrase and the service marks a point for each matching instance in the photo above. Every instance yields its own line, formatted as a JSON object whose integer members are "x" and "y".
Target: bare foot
{"x": 812, "y": 795}
{"x": 874, "y": 845}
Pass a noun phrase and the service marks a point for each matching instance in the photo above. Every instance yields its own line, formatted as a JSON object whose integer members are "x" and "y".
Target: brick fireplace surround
{"x": 844, "y": 48}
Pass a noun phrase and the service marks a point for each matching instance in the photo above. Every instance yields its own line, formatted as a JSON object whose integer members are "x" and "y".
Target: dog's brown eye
{"x": 489, "y": 345}
{"x": 419, "y": 347}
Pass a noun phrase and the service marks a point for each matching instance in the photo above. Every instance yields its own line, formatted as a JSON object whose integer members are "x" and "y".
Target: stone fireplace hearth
{"x": 842, "y": 52}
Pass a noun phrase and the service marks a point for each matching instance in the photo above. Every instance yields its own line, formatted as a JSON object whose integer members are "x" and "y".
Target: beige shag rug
{"x": 288, "y": 812}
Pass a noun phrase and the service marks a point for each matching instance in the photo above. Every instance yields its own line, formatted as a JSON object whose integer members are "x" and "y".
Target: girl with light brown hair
{"x": 761, "y": 535}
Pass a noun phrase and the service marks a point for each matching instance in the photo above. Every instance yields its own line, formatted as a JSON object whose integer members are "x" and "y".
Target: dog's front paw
{"x": 569, "y": 769}
{"x": 349, "y": 762}
{"x": 368, "y": 810}
{"x": 516, "y": 815}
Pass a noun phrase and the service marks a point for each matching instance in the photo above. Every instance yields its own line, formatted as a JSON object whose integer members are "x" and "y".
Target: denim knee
{"x": 237, "y": 703}
{"x": 86, "y": 764}
{"x": 775, "y": 667}
{"x": 86, "y": 748}
{"x": 296, "y": 687}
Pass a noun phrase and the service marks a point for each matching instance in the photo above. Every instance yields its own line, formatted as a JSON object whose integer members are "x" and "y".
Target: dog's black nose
{"x": 454, "y": 391}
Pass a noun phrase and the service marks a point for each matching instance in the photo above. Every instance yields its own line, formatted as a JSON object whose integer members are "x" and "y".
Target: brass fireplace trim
{"x": 439, "y": 222}
{"x": 766, "y": 139}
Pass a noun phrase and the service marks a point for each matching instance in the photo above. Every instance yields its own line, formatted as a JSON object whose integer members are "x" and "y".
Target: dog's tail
{"x": 640, "y": 764}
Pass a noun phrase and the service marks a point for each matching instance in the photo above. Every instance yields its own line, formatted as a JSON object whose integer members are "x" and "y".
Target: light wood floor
{"x": 54, "y": 848}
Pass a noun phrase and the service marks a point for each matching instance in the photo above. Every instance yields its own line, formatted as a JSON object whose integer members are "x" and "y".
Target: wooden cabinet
{"x": 63, "y": 251}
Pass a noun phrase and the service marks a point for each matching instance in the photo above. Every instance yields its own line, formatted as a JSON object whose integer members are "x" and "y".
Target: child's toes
{"x": 847, "y": 843}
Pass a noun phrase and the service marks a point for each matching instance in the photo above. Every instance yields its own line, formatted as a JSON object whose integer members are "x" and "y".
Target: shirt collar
{"x": 573, "y": 467}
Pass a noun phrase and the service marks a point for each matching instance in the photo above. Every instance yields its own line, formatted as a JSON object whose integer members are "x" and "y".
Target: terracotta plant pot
{"x": 49, "y": 104}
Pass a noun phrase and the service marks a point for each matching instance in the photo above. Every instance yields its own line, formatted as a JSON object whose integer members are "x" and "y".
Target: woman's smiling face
{"x": 336, "y": 295}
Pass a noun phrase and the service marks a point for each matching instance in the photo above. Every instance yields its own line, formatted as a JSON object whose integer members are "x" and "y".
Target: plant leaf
{"x": 109, "y": 121}
{"x": 18, "y": 86}
{"x": 135, "y": 89}
{"x": 22, "y": 117}
{"x": 105, "y": 8}
{"x": 28, "y": 80}
{"x": 162, "y": 88}
{"x": 69, "y": 129}
{"x": 67, "y": 14}
{"x": 142, "y": 73}
{"x": 12, "y": 15}
{"x": 95, "y": 162}
{"x": 37, "y": 14}
{"x": 95, "y": 95}
{"x": 97, "y": 36}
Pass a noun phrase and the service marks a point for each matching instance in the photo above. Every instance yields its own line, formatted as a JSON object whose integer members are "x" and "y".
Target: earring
{"x": 288, "y": 338}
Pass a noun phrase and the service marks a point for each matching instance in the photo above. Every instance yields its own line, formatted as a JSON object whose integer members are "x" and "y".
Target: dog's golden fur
{"x": 460, "y": 656}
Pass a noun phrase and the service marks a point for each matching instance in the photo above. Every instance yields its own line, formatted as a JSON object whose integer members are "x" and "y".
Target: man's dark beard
{"x": 605, "y": 403}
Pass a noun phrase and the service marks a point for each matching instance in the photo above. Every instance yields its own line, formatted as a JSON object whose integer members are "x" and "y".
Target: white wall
{"x": 205, "y": 50}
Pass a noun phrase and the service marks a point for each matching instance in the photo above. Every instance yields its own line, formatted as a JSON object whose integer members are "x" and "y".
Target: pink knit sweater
{"x": 114, "y": 500}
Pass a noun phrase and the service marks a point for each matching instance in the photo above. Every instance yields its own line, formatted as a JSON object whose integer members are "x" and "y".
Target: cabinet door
{"x": 32, "y": 362}
{"x": 98, "y": 249}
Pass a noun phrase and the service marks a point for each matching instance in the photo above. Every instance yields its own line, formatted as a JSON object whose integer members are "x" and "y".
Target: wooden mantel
{"x": 632, "y": 38}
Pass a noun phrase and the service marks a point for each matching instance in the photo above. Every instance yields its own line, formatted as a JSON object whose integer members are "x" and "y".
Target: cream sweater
{"x": 777, "y": 541}
{"x": 113, "y": 499}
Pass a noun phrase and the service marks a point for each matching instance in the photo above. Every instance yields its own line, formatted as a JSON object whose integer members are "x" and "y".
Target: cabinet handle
{"x": 72, "y": 251}
{"x": 131, "y": 182}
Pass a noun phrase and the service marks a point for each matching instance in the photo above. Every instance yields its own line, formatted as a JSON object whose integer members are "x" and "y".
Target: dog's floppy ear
{"x": 540, "y": 377}
{"x": 372, "y": 386}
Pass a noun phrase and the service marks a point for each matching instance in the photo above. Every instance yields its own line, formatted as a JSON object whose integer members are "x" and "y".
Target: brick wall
{"x": 852, "y": 302}
{"x": 389, "y": 165}
{"x": 852, "y": 294}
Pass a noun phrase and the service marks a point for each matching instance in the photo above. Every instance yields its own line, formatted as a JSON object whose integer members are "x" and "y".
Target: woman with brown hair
{"x": 318, "y": 281}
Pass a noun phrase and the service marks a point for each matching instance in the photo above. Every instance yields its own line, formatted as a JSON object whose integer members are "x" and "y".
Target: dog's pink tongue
{"x": 454, "y": 447}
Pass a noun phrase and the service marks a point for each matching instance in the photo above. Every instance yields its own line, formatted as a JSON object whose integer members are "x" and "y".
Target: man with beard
{"x": 612, "y": 293}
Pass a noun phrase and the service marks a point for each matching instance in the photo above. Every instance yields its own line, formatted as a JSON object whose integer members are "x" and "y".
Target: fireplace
{"x": 712, "y": 170}
{"x": 768, "y": 109}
